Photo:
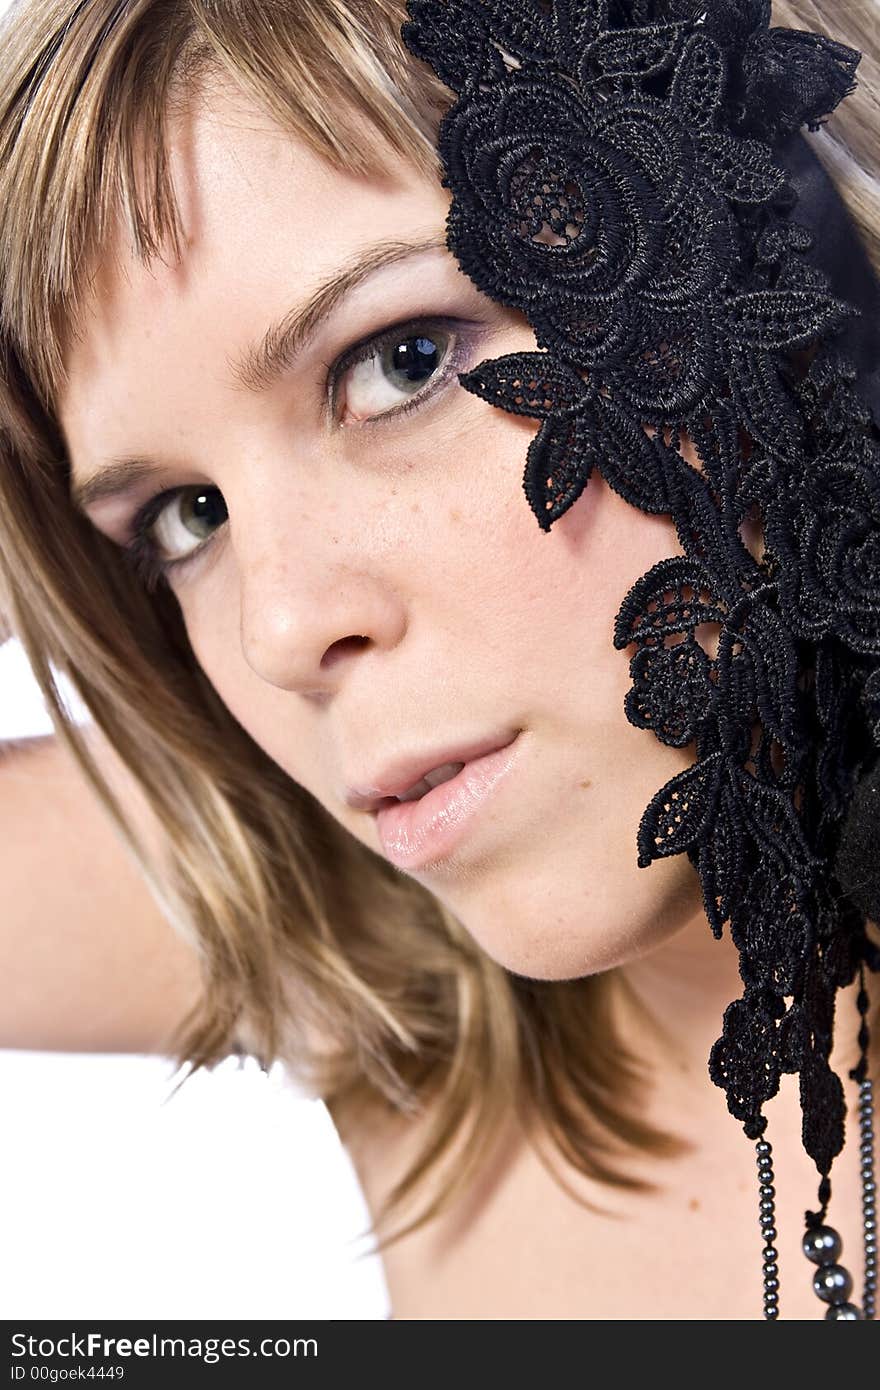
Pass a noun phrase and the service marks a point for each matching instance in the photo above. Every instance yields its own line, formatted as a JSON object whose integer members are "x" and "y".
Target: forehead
{"x": 264, "y": 219}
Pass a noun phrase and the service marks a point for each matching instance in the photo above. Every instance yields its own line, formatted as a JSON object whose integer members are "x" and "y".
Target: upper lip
{"x": 398, "y": 776}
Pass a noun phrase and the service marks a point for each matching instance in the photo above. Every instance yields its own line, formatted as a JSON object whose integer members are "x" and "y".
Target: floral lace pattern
{"x": 615, "y": 177}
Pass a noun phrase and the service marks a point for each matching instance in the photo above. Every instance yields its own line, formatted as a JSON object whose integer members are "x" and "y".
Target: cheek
{"x": 567, "y": 898}
{"x": 553, "y": 598}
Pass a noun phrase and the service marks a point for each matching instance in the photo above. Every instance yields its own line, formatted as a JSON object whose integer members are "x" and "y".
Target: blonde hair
{"x": 314, "y": 948}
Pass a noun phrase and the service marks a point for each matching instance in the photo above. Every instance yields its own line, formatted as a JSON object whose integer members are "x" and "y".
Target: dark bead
{"x": 832, "y": 1283}
{"x": 762, "y": 1146}
{"x": 847, "y": 1311}
{"x": 767, "y": 1205}
{"x": 767, "y": 1189}
{"x": 771, "y": 1285}
{"x": 822, "y": 1245}
{"x": 769, "y": 1252}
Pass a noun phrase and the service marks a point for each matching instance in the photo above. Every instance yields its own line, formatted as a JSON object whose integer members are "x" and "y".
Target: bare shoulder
{"x": 87, "y": 960}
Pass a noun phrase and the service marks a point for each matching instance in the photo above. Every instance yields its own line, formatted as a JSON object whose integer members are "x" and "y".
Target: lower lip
{"x": 415, "y": 833}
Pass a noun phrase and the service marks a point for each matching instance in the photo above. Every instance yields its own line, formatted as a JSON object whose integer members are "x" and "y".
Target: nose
{"x": 311, "y": 605}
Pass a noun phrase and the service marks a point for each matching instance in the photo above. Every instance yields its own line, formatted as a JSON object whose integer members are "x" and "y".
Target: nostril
{"x": 346, "y": 646}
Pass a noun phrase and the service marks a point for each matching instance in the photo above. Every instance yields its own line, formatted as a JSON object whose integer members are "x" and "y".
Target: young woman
{"x": 285, "y": 558}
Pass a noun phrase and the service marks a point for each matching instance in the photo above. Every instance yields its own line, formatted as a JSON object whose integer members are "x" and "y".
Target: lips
{"x": 397, "y": 777}
{"x": 424, "y": 835}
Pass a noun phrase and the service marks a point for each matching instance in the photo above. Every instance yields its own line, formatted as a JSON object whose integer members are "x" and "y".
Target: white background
{"x": 232, "y": 1199}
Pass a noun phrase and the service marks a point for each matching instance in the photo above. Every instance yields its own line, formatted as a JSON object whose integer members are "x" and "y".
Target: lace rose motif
{"x": 614, "y": 177}
{"x": 830, "y": 529}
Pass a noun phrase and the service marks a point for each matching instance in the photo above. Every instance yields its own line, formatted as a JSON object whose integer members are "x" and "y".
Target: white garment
{"x": 232, "y": 1199}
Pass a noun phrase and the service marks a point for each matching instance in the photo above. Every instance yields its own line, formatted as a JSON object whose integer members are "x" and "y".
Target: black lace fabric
{"x": 616, "y": 176}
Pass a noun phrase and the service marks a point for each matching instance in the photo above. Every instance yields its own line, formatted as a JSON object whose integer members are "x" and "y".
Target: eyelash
{"x": 141, "y": 554}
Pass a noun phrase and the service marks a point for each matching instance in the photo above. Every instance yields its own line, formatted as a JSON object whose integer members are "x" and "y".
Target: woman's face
{"x": 372, "y": 583}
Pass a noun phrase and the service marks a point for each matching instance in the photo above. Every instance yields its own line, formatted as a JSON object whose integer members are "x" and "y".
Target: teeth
{"x": 432, "y": 779}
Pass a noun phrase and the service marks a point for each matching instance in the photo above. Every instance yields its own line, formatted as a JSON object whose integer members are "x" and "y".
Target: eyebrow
{"x": 263, "y": 363}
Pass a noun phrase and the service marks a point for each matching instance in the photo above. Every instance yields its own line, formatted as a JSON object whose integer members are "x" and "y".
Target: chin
{"x": 564, "y": 928}
{"x": 556, "y": 945}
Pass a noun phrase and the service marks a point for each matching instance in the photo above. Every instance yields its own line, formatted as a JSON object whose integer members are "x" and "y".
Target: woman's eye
{"x": 171, "y": 528}
{"x": 189, "y": 519}
{"x": 394, "y": 372}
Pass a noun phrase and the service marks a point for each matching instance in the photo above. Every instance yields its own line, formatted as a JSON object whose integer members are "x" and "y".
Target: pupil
{"x": 208, "y": 508}
{"x": 415, "y": 358}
